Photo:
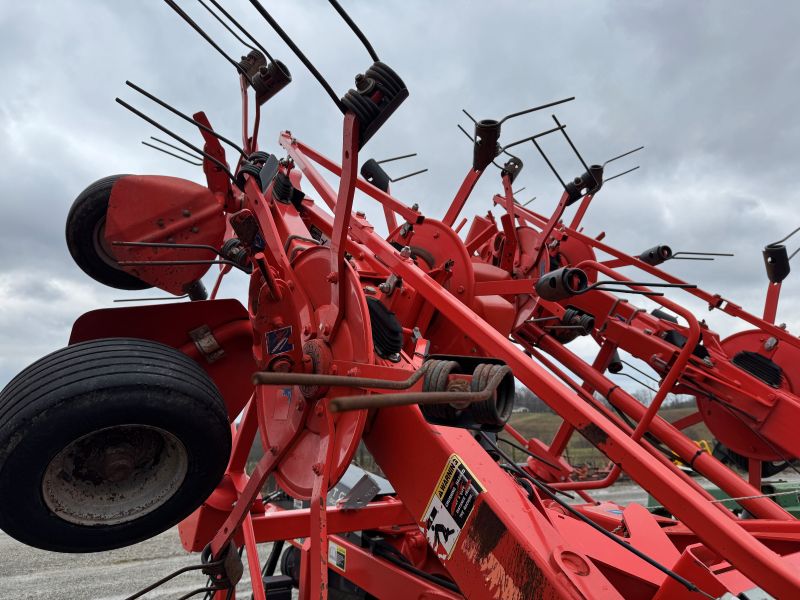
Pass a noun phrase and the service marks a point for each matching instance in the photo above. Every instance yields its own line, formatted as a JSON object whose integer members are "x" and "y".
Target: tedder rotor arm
{"x": 714, "y": 301}
{"x": 714, "y": 528}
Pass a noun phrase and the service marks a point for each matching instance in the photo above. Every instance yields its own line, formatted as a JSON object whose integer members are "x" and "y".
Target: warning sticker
{"x": 450, "y": 506}
{"x": 279, "y": 341}
{"x": 337, "y": 556}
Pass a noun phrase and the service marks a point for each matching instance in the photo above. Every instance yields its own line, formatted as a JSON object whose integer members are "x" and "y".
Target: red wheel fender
{"x": 215, "y": 333}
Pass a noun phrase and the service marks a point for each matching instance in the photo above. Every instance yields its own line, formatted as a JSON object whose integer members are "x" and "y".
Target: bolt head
{"x": 405, "y": 252}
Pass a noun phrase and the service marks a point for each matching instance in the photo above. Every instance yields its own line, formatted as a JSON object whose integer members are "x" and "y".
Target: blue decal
{"x": 279, "y": 340}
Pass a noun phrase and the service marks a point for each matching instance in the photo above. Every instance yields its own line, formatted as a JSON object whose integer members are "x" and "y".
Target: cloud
{"x": 710, "y": 89}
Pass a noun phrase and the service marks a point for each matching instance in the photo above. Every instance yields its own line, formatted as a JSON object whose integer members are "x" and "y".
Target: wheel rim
{"x": 114, "y": 475}
{"x": 101, "y": 246}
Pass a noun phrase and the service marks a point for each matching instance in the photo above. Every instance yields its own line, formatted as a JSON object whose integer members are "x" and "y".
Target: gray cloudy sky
{"x": 710, "y": 88}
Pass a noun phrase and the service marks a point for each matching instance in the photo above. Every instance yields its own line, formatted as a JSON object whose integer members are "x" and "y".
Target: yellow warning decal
{"x": 337, "y": 556}
{"x": 450, "y": 506}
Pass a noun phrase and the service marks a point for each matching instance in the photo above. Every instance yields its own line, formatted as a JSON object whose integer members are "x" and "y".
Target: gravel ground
{"x": 28, "y": 573}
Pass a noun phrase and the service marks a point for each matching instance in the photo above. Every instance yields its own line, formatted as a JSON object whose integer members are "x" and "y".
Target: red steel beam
{"x": 289, "y": 524}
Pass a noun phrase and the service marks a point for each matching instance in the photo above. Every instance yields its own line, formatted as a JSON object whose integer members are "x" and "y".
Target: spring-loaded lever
{"x": 487, "y": 135}
{"x": 659, "y": 254}
{"x": 207, "y": 38}
{"x": 581, "y": 186}
{"x": 618, "y": 175}
{"x": 220, "y": 165}
{"x": 534, "y": 109}
{"x": 184, "y": 159}
{"x": 186, "y": 117}
{"x": 566, "y": 282}
{"x": 228, "y": 27}
{"x": 359, "y": 34}
{"x": 624, "y": 154}
{"x": 686, "y": 255}
{"x": 230, "y": 256}
{"x": 174, "y": 147}
{"x": 378, "y": 91}
{"x": 267, "y": 79}
{"x": 374, "y": 173}
{"x": 297, "y": 52}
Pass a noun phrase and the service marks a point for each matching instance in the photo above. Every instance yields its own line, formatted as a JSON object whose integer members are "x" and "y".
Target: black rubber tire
{"x": 92, "y": 386}
{"x": 728, "y": 456}
{"x": 89, "y": 210}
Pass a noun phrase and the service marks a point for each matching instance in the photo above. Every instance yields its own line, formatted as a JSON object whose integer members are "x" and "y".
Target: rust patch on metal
{"x": 510, "y": 573}
{"x": 533, "y": 583}
{"x": 595, "y": 435}
{"x": 487, "y": 530}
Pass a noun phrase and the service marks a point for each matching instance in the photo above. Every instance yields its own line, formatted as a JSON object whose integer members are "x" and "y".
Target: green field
{"x": 543, "y": 426}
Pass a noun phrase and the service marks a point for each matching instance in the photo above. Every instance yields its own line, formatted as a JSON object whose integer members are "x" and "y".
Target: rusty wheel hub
{"x": 114, "y": 475}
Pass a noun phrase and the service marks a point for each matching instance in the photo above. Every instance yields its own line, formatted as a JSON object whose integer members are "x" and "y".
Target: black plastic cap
{"x": 776, "y": 261}
{"x": 374, "y": 173}
{"x": 561, "y": 283}
{"x": 656, "y": 255}
{"x": 487, "y": 132}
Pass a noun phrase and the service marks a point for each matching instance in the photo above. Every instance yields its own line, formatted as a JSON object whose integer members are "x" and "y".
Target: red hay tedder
{"x": 410, "y": 344}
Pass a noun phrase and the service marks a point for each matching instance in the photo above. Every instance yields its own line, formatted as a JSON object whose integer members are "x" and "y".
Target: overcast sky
{"x": 711, "y": 89}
